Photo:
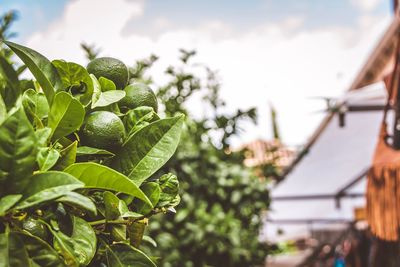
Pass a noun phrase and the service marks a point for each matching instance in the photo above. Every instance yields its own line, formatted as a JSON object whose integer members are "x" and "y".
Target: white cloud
{"x": 278, "y": 62}
{"x": 365, "y": 5}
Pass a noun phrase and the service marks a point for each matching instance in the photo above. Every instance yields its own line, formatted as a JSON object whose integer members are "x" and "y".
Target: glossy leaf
{"x": 152, "y": 191}
{"x": 12, "y": 90}
{"x": 7, "y": 202}
{"x": 111, "y": 203}
{"x": 116, "y": 208}
{"x": 43, "y": 136}
{"x": 35, "y": 104}
{"x": 18, "y": 149}
{"x": 47, "y": 157}
{"x": 149, "y": 240}
{"x": 108, "y": 98}
{"x": 94, "y": 175}
{"x": 3, "y": 110}
{"x": 79, "y": 201}
{"x": 106, "y": 84}
{"x": 18, "y": 249}
{"x": 67, "y": 156}
{"x": 47, "y": 186}
{"x": 79, "y": 248}
{"x": 138, "y": 118}
{"x": 122, "y": 255}
{"x": 45, "y": 73}
{"x": 118, "y": 232}
{"x": 104, "y": 92}
{"x": 149, "y": 149}
{"x": 96, "y": 89}
{"x": 169, "y": 186}
{"x": 85, "y": 151}
{"x": 135, "y": 232}
{"x": 66, "y": 115}
{"x": 75, "y": 79}
{"x": 125, "y": 212}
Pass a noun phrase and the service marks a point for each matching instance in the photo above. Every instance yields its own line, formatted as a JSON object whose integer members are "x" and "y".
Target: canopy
{"x": 335, "y": 162}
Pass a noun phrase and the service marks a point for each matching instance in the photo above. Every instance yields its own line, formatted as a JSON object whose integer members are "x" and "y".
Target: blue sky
{"x": 33, "y": 14}
{"x": 243, "y": 15}
{"x": 282, "y": 52}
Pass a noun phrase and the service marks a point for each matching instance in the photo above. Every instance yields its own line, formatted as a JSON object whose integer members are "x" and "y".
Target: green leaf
{"x": 18, "y": 249}
{"x": 66, "y": 115}
{"x": 79, "y": 248}
{"x": 47, "y": 157}
{"x": 35, "y": 104}
{"x": 47, "y": 186}
{"x": 18, "y": 149}
{"x": 45, "y": 73}
{"x": 12, "y": 90}
{"x": 3, "y": 110}
{"x": 7, "y": 247}
{"x": 149, "y": 240}
{"x": 135, "y": 232}
{"x": 75, "y": 79}
{"x": 67, "y": 156}
{"x": 43, "y": 136}
{"x": 116, "y": 208}
{"x": 111, "y": 203}
{"x": 149, "y": 149}
{"x": 152, "y": 191}
{"x": 96, "y": 89}
{"x": 174, "y": 202}
{"x": 169, "y": 185}
{"x": 106, "y": 84}
{"x": 94, "y": 175}
{"x": 7, "y": 202}
{"x": 123, "y": 255}
{"x": 139, "y": 117}
{"x": 85, "y": 151}
{"x": 108, "y": 98}
{"x": 118, "y": 232}
{"x": 104, "y": 92}
{"x": 79, "y": 201}
{"x": 125, "y": 212}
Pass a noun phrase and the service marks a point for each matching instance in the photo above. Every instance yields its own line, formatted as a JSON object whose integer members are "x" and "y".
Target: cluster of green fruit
{"x": 104, "y": 129}
{"x": 80, "y": 151}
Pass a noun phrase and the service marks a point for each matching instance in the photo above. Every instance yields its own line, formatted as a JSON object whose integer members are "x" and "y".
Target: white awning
{"x": 337, "y": 157}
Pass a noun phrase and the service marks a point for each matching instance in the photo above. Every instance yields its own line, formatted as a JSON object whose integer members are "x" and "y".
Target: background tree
{"x": 219, "y": 217}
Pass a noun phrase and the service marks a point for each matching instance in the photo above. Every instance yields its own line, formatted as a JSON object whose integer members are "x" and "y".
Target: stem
{"x": 121, "y": 221}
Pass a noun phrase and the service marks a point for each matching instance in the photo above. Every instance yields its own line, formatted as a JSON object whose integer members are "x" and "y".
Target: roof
{"x": 380, "y": 62}
{"x": 336, "y": 157}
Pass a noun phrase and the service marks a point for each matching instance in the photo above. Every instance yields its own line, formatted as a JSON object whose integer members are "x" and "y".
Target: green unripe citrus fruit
{"x": 36, "y": 228}
{"x": 137, "y": 95}
{"x": 110, "y": 68}
{"x": 103, "y": 129}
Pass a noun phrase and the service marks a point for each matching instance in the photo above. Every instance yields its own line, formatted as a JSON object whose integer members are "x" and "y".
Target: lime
{"x": 137, "y": 95}
{"x": 110, "y": 68}
{"x": 103, "y": 129}
{"x": 36, "y": 228}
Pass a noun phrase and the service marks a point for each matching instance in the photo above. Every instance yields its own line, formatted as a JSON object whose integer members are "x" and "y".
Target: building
{"x": 324, "y": 189}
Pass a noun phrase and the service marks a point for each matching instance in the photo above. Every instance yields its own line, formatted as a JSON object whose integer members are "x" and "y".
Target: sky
{"x": 283, "y": 52}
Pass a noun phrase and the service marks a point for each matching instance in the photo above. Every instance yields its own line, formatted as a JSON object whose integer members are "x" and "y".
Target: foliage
{"x": 66, "y": 204}
{"x": 219, "y": 216}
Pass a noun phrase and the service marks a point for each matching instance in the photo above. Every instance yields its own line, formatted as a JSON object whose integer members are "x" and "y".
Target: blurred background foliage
{"x": 219, "y": 218}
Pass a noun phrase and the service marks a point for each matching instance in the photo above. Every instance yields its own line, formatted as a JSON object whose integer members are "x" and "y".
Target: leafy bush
{"x": 66, "y": 204}
{"x": 219, "y": 217}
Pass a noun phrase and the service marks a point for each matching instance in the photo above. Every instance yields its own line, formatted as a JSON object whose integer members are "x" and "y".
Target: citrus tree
{"x": 78, "y": 163}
